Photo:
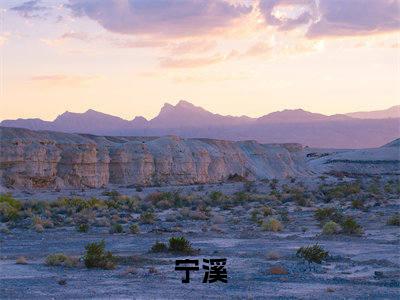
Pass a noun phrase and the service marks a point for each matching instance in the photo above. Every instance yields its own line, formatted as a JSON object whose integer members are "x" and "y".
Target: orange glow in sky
{"x": 128, "y": 57}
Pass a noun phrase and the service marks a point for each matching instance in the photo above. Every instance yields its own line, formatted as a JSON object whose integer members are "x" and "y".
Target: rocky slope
{"x": 45, "y": 159}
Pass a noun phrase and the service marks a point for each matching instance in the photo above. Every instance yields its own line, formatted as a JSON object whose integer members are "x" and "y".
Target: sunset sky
{"x": 237, "y": 57}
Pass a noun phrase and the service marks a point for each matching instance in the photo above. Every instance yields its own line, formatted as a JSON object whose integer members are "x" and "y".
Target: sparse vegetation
{"x": 97, "y": 257}
{"x": 351, "y": 227}
{"x": 331, "y": 228}
{"x": 313, "y": 253}
{"x": 324, "y": 215}
{"x": 116, "y": 228}
{"x": 84, "y": 227}
{"x": 272, "y": 225}
{"x": 60, "y": 259}
{"x": 134, "y": 229}
{"x": 394, "y": 220}
{"x": 159, "y": 247}
{"x": 180, "y": 245}
{"x": 147, "y": 217}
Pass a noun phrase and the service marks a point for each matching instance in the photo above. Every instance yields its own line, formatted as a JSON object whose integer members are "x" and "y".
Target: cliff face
{"x": 43, "y": 159}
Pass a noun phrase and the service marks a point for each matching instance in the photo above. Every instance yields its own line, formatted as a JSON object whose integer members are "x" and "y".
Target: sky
{"x": 233, "y": 57}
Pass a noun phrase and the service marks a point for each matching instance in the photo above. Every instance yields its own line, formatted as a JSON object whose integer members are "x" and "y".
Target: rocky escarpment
{"x": 45, "y": 159}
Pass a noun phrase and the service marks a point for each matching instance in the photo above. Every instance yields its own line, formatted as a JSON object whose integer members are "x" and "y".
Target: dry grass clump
{"x": 394, "y": 220}
{"x": 272, "y": 225}
{"x": 331, "y": 228}
{"x": 97, "y": 257}
{"x": 278, "y": 270}
{"x": 21, "y": 261}
{"x": 272, "y": 255}
{"x": 60, "y": 259}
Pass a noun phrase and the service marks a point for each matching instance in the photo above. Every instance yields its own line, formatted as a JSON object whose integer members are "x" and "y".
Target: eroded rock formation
{"x": 44, "y": 159}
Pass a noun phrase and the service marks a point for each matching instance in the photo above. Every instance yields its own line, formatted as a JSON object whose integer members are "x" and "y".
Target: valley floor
{"x": 358, "y": 267}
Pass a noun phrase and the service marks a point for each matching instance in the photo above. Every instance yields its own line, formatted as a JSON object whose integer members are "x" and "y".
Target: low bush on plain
{"x": 314, "y": 253}
{"x": 394, "y": 220}
{"x": 97, "y": 257}
{"x": 60, "y": 259}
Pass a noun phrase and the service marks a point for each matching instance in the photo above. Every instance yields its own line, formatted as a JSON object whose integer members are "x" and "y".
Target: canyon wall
{"x": 45, "y": 159}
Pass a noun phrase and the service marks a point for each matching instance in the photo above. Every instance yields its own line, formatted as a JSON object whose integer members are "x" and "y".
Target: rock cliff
{"x": 45, "y": 159}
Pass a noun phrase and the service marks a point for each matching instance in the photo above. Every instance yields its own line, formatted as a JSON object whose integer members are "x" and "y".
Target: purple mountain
{"x": 188, "y": 120}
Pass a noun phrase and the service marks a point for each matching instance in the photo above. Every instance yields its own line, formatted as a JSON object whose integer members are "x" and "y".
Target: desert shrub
{"x": 84, "y": 227}
{"x": 134, "y": 229}
{"x": 147, "y": 217}
{"x": 328, "y": 214}
{"x": 7, "y": 198}
{"x": 116, "y": 228}
{"x": 249, "y": 187}
{"x": 272, "y": 225}
{"x": 273, "y": 184}
{"x": 60, "y": 259}
{"x": 112, "y": 194}
{"x": 9, "y": 208}
{"x": 374, "y": 187}
{"x": 240, "y": 197}
{"x": 180, "y": 245}
{"x": 331, "y": 228}
{"x": 342, "y": 190}
{"x": 236, "y": 178}
{"x": 97, "y": 257}
{"x": 272, "y": 255}
{"x": 394, "y": 220}
{"x": 166, "y": 199}
{"x": 299, "y": 196}
{"x": 313, "y": 253}
{"x": 357, "y": 203}
{"x": 351, "y": 227}
{"x": 39, "y": 228}
{"x": 159, "y": 247}
{"x": 267, "y": 211}
{"x": 216, "y": 196}
{"x": 21, "y": 260}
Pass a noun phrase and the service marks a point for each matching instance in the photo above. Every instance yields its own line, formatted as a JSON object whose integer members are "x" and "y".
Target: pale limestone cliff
{"x": 44, "y": 159}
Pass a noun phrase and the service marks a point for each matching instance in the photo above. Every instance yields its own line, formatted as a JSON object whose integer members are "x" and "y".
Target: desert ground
{"x": 258, "y": 226}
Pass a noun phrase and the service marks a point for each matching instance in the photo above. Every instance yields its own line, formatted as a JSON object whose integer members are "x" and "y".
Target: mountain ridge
{"x": 187, "y": 120}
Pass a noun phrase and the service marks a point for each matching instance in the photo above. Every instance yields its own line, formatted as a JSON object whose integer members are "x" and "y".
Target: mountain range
{"x": 352, "y": 130}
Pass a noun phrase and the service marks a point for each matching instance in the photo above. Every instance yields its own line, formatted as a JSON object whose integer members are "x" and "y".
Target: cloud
{"x": 191, "y": 62}
{"x": 168, "y": 18}
{"x": 62, "y": 80}
{"x": 31, "y": 9}
{"x": 356, "y": 17}
{"x": 330, "y": 18}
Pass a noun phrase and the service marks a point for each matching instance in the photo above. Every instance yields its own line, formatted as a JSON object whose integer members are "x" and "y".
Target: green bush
{"x": 134, "y": 229}
{"x": 216, "y": 196}
{"x": 116, "y": 228}
{"x": 313, "y": 253}
{"x": 394, "y": 220}
{"x": 9, "y": 208}
{"x": 97, "y": 257}
{"x": 60, "y": 259}
{"x": 84, "y": 227}
{"x": 180, "y": 245}
{"x": 327, "y": 214}
{"x": 357, "y": 203}
{"x": 147, "y": 217}
{"x": 331, "y": 228}
{"x": 351, "y": 227}
{"x": 159, "y": 247}
{"x": 272, "y": 225}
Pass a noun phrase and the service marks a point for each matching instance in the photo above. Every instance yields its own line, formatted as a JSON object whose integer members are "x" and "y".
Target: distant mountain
{"x": 185, "y": 114}
{"x": 187, "y": 120}
{"x": 298, "y": 116}
{"x": 392, "y": 112}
